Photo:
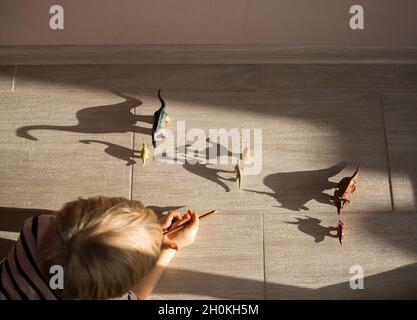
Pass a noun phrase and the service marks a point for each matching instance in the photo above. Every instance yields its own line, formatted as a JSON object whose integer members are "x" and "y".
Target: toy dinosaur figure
{"x": 341, "y": 228}
{"x": 238, "y": 176}
{"x": 144, "y": 153}
{"x": 160, "y": 118}
{"x": 246, "y": 153}
{"x": 345, "y": 187}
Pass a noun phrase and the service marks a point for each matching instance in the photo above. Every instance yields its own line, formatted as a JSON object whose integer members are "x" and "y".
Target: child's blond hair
{"x": 104, "y": 245}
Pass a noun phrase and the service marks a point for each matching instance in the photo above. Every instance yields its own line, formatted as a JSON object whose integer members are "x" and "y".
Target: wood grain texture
{"x": 6, "y": 77}
{"x": 203, "y": 54}
{"x": 308, "y": 146}
{"x": 400, "y": 110}
{"x": 304, "y": 260}
{"x": 226, "y": 261}
{"x": 358, "y": 77}
{"x": 203, "y": 77}
{"x": 57, "y": 167}
{"x": 407, "y": 77}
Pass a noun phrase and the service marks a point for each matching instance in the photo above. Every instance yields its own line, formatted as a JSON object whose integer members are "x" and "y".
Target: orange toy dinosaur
{"x": 345, "y": 187}
{"x": 341, "y": 228}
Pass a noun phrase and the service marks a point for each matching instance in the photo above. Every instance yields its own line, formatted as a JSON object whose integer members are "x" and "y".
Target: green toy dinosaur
{"x": 160, "y": 118}
{"x": 144, "y": 153}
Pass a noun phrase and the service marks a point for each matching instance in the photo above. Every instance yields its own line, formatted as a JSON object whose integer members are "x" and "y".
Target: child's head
{"x": 104, "y": 245}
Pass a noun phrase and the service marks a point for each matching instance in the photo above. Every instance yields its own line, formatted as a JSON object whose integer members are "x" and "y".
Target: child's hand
{"x": 183, "y": 237}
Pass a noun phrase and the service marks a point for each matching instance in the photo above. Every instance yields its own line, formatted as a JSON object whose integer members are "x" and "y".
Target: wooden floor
{"x": 69, "y": 131}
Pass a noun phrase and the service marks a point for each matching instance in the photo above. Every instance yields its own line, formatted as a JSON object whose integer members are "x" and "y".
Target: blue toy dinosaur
{"x": 160, "y": 118}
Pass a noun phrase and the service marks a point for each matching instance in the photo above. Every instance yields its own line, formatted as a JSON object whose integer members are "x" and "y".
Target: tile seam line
{"x": 132, "y": 166}
{"x": 387, "y": 157}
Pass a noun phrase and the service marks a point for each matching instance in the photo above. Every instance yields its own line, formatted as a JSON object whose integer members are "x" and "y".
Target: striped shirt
{"x": 20, "y": 275}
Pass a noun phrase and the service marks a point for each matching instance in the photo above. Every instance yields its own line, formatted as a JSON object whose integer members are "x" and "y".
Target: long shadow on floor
{"x": 210, "y": 173}
{"x": 116, "y": 151}
{"x": 212, "y": 152}
{"x": 400, "y": 283}
{"x": 294, "y": 189}
{"x": 312, "y": 227}
{"x": 201, "y": 167}
{"x": 113, "y": 118}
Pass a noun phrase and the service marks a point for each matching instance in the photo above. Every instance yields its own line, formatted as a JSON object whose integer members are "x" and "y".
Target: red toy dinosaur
{"x": 345, "y": 187}
{"x": 341, "y": 228}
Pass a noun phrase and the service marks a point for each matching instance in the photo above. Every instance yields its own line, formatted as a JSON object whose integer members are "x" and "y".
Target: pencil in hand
{"x": 181, "y": 226}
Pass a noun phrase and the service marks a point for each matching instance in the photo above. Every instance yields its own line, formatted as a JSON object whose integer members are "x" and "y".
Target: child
{"x": 107, "y": 248}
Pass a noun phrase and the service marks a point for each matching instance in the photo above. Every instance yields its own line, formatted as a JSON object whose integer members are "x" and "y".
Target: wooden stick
{"x": 181, "y": 226}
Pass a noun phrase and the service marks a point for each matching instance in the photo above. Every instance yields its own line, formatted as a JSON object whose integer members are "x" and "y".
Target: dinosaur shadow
{"x": 294, "y": 189}
{"x": 215, "y": 150}
{"x": 312, "y": 227}
{"x": 199, "y": 165}
{"x": 116, "y": 151}
{"x": 113, "y": 118}
{"x": 211, "y": 152}
{"x": 209, "y": 173}
{"x": 203, "y": 169}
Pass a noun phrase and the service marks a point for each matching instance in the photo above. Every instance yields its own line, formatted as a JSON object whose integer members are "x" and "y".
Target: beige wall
{"x": 315, "y": 22}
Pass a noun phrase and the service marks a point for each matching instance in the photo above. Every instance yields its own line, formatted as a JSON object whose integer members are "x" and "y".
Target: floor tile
{"x": 202, "y": 77}
{"x": 330, "y": 76}
{"x": 225, "y": 262}
{"x": 305, "y": 261}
